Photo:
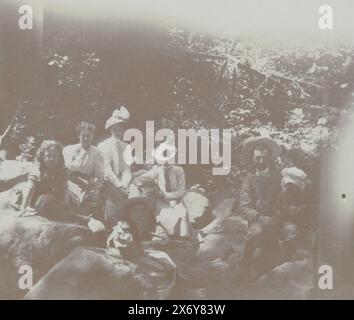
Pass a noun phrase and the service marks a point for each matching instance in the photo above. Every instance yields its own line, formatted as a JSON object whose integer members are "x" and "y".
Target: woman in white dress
{"x": 85, "y": 165}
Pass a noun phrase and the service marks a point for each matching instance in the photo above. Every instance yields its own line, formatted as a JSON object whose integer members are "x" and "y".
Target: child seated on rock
{"x": 135, "y": 223}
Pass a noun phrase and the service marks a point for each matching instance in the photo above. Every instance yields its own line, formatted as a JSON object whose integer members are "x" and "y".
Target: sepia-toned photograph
{"x": 176, "y": 150}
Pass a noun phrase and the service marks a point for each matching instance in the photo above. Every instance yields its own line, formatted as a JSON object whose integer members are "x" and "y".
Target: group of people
{"x": 276, "y": 204}
{"x": 95, "y": 186}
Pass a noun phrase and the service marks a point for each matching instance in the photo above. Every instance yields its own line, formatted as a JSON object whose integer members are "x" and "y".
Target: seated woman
{"x": 166, "y": 182}
{"x": 46, "y": 188}
{"x": 85, "y": 165}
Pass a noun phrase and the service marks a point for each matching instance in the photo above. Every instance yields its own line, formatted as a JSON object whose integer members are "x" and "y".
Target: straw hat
{"x": 118, "y": 116}
{"x": 149, "y": 225}
{"x": 251, "y": 143}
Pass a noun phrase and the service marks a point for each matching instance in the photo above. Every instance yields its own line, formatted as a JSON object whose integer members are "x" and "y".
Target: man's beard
{"x": 261, "y": 166}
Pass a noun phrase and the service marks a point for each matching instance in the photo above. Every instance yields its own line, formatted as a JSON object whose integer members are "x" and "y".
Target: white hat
{"x": 158, "y": 152}
{"x": 118, "y": 116}
{"x": 294, "y": 175}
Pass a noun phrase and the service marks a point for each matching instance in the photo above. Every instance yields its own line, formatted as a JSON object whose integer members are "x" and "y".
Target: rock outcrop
{"x": 291, "y": 280}
{"x": 37, "y": 242}
{"x": 94, "y": 273}
{"x": 224, "y": 235}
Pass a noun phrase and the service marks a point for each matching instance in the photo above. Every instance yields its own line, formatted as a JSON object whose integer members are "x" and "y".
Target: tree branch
{"x": 252, "y": 70}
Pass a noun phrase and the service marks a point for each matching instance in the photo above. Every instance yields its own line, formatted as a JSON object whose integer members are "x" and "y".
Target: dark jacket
{"x": 295, "y": 205}
{"x": 259, "y": 195}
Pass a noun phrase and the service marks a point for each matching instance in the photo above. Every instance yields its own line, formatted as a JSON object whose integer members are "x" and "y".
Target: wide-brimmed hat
{"x": 158, "y": 152}
{"x": 251, "y": 143}
{"x": 118, "y": 116}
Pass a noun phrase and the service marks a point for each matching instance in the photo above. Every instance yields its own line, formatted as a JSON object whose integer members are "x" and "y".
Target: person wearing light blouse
{"x": 85, "y": 166}
{"x": 117, "y": 171}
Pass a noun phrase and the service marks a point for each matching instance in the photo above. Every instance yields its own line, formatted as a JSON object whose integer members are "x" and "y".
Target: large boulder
{"x": 37, "y": 242}
{"x": 12, "y": 173}
{"x": 180, "y": 251}
{"x": 95, "y": 273}
{"x": 214, "y": 246}
{"x": 224, "y": 235}
{"x": 197, "y": 276}
{"x": 291, "y": 280}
